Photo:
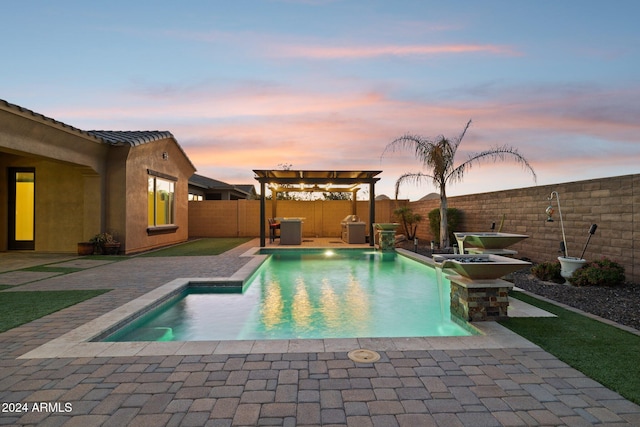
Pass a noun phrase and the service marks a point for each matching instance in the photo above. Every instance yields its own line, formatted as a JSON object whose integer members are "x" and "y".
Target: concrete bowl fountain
{"x": 488, "y": 240}
{"x": 385, "y": 236}
{"x": 386, "y": 226}
{"x": 479, "y": 267}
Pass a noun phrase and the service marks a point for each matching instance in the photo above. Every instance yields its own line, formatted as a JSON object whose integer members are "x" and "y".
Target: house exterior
{"x": 63, "y": 185}
{"x": 203, "y": 188}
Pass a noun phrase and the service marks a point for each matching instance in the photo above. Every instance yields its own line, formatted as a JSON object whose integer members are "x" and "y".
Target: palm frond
{"x": 420, "y": 146}
{"x": 501, "y": 153}
{"x": 415, "y": 178}
{"x": 458, "y": 140}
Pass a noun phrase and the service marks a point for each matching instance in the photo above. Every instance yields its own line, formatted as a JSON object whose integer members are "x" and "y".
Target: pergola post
{"x": 263, "y": 240}
{"x": 274, "y": 203}
{"x": 354, "y": 203}
{"x": 372, "y": 212}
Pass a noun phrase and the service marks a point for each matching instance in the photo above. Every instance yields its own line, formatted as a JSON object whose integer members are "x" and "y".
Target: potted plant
{"x": 104, "y": 243}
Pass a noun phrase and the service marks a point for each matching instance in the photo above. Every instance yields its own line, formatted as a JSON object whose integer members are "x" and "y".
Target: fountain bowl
{"x": 488, "y": 240}
{"x": 479, "y": 267}
{"x": 386, "y": 226}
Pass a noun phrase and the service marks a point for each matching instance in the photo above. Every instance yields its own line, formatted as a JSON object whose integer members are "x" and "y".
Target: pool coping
{"x": 79, "y": 342}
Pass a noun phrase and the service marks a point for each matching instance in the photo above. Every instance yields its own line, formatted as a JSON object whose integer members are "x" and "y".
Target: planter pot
{"x": 85, "y": 248}
{"x": 111, "y": 248}
{"x": 570, "y": 264}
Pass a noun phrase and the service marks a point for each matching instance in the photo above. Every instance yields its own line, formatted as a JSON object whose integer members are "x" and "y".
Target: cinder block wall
{"x": 241, "y": 218}
{"x": 612, "y": 203}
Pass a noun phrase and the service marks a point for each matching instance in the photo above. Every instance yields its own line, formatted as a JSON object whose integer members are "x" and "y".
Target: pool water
{"x": 310, "y": 294}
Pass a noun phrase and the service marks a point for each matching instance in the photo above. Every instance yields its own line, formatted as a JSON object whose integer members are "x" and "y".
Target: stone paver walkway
{"x": 481, "y": 386}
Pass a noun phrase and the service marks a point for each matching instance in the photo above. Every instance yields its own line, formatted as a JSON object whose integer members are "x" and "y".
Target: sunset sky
{"x": 327, "y": 84}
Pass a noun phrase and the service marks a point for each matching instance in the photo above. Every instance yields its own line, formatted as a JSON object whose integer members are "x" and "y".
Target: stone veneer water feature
{"x": 477, "y": 292}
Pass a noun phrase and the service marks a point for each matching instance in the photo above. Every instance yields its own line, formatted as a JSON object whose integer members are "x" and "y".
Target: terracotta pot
{"x": 85, "y": 248}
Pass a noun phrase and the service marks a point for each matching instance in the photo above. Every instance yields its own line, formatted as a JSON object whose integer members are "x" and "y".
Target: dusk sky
{"x": 250, "y": 84}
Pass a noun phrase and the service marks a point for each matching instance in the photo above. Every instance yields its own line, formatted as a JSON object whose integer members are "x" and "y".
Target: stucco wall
{"x": 68, "y": 193}
{"x": 59, "y": 203}
{"x": 138, "y": 160}
{"x": 612, "y": 203}
{"x": 23, "y": 133}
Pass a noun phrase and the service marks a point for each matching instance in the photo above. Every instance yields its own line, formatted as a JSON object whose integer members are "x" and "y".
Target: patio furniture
{"x": 273, "y": 226}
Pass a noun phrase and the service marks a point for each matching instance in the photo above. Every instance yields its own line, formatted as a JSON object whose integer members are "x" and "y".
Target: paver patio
{"x": 449, "y": 381}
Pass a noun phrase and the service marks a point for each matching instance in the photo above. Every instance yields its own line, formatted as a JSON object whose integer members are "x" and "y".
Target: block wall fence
{"x": 612, "y": 203}
{"x": 241, "y": 218}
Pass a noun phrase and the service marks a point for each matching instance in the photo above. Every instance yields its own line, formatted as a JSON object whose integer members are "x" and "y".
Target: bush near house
{"x": 602, "y": 272}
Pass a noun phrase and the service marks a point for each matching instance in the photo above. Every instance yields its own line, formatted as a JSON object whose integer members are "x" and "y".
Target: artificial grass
{"x": 21, "y": 307}
{"x": 200, "y": 247}
{"x": 47, "y": 269}
{"x": 604, "y": 353}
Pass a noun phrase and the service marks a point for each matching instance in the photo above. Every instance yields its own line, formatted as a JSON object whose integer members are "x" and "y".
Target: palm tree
{"x": 438, "y": 156}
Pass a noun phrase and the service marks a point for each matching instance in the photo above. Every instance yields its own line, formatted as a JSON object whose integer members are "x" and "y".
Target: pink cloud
{"x": 239, "y": 129}
{"x": 358, "y": 52}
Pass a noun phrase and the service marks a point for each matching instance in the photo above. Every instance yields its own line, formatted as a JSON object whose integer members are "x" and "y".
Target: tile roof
{"x": 214, "y": 184}
{"x": 133, "y": 138}
{"x": 27, "y": 112}
{"x": 205, "y": 182}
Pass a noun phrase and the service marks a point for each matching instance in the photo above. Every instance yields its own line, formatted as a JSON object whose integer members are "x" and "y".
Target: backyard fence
{"x": 241, "y": 218}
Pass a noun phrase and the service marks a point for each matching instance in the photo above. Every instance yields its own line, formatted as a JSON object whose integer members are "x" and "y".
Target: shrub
{"x": 409, "y": 220}
{"x": 603, "y": 272}
{"x": 548, "y": 271}
{"x": 454, "y": 218}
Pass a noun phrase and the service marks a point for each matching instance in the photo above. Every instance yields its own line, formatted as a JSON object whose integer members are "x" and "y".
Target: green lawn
{"x": 604, "y": 353}
{"x": 208, "y": 246}
{"x": 23, "y": 306}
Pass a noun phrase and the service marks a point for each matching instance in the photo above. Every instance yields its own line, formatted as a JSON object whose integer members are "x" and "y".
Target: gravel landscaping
{"x": 619, "y": 303}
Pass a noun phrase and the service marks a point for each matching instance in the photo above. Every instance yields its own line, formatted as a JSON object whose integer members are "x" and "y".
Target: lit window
{"x": 161, "y": 197}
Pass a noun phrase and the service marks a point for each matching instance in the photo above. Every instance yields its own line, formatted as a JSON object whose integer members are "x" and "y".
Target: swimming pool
{"x": 345, "y": 293}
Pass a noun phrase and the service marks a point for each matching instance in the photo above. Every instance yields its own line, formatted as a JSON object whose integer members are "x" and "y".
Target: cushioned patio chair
{"x": 273, "y": 226}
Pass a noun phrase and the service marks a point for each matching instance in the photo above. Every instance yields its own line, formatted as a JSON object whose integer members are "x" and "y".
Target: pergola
{"x": 341, "y": 181}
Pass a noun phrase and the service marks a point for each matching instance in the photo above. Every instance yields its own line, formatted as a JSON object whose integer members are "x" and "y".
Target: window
{"x": 161, "y": 195}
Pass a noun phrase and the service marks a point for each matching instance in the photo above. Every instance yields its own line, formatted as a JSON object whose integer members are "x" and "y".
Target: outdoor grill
{"x": 353, "y": 230}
